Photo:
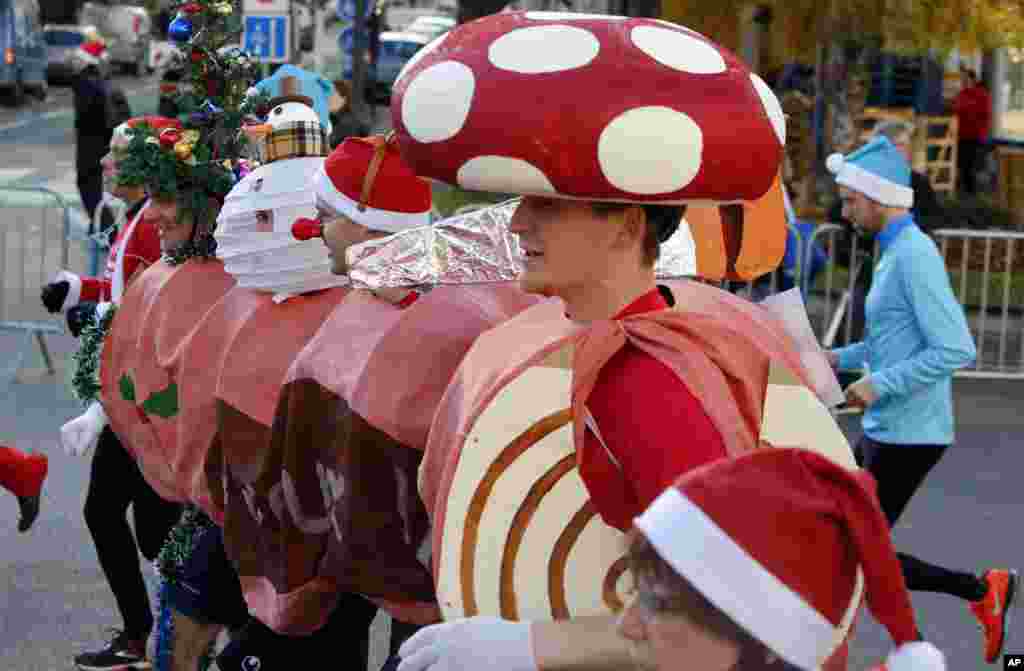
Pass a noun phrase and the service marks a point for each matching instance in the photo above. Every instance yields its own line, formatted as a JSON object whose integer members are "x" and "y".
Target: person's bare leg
{"x": 191, "y": 641}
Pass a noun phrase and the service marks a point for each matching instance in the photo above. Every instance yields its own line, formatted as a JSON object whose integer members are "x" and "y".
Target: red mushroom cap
{"x": 307, "y": 229}
{"x": 588, "y": 106}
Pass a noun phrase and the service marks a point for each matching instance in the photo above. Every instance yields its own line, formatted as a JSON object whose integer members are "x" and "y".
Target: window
{"x": 64, "y": 38}
{"x": 1013, "y": 96}
{"x": 401, "y": 50}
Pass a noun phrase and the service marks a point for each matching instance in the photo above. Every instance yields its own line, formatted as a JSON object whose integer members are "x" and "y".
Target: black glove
{"x": 80, "y": 316}
{"x": 54, "y": 295}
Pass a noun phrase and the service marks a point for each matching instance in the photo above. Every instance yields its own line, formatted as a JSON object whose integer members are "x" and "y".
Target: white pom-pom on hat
{"x": 835, "y": 163}
{"x": 916, "y": 656}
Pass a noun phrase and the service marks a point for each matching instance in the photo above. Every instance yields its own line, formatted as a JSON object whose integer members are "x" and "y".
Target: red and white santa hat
{"x": 774, "y": 540}
{"x": 157, "y": 123}
{"x": 366, "y": 180}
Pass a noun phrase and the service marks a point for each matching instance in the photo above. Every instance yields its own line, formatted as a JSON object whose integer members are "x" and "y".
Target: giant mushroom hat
{"x": 593, "y": 107}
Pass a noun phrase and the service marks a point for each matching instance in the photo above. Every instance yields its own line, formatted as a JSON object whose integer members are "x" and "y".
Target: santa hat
{"x": 366, "y": 180}
{"x": 878, "y": 170}
{"x": 157, "y": 123}
{"x": 87, "y": 54}
{"x": 774, "y": 540}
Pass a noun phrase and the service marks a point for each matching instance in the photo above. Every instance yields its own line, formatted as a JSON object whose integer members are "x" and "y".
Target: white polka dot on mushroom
{"x": 437, "y": 101}
{"x": 771, "y": 107}
{"x": 515, "y": 175}
{"x": 527, "y": 50}
{"x": 678, "y": 50}
{"x": 418, "y": 56}
{"x": 650, "y": 150}
{"x": 569, "y": 16}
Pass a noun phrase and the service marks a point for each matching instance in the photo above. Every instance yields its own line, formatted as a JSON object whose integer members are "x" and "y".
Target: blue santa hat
{"x": 878, "y": 170}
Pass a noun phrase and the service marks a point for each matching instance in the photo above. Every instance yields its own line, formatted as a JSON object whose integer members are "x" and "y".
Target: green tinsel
{"x": 181, "y": 542}
{"x": 85, "y": 383}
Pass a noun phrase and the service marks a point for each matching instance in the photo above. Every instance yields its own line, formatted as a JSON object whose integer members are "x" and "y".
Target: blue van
{"x": 23, "y": 49}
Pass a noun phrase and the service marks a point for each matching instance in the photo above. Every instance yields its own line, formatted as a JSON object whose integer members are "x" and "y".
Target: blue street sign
{"x": 346, "y": 9}
{"x": 266, "y": 37}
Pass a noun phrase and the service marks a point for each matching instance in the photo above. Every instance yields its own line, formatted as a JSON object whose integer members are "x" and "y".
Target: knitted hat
{"x": 366, "y": 180}
{"x": 878, "y": 170}
{"x": 774, "y": 540}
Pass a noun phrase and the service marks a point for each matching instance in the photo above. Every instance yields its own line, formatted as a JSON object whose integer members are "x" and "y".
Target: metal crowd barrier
{"x": 36, "y": 231}
{"x": 992, "y": 296}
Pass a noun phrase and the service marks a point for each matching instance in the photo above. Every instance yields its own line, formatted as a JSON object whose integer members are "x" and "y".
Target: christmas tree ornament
{"x": 183, "y": 150}
{"x": 223, "y": 8}
{"x": 180, "y": 30}
{"x": 198, "y": 56}
{"x": 170, "y": 137}
{"x": 192, "y": 8}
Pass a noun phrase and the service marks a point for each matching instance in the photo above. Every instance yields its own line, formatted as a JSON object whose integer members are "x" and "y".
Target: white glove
{"x": 81, "y": 434}
{"x": 101, "y": 309}
{"x": 480, "y": 642}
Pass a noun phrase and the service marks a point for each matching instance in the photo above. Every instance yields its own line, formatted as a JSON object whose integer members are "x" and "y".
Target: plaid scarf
{"x": 295, "y": 140}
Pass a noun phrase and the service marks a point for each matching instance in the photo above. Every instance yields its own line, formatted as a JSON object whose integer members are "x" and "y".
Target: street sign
{"x": 346, "y": 9}
{"x": 266, "y": 7}
{"x": 267, "y": 37}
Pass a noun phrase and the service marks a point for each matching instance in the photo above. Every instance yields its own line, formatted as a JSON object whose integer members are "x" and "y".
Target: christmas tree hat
{"x": 198, "y": 164}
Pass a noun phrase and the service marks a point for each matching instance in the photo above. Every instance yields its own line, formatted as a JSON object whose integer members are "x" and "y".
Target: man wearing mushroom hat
{"x": 655, "y": 391}
{"x": 325, "y": 526}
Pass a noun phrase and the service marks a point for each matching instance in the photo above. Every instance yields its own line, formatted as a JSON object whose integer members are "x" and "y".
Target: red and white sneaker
{"x": 993, "y": 611}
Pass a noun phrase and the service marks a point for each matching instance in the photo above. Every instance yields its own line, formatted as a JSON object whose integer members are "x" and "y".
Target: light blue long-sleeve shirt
{"x": 916, "y": 337}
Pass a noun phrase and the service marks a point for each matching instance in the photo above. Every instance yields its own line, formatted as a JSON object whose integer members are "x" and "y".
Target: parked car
{"x": 62, "y": 42}
{"x": 395, "y": 51}
{"x": 24, "y": 50}
{"x": 431, "y": 26}
{"x": 126, "y": 30}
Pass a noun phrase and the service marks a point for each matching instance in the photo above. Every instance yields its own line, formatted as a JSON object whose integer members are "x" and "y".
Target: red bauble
{"x": 192, "y": 8}
{"x": 198, "y": 56}
{"x": 169, "y": 137}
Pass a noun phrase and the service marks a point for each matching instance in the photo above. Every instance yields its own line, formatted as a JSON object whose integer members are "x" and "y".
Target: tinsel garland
{"x": 181, "y": 542}
{"x": 85, "y": 383}
{"x": 204, "y": 247}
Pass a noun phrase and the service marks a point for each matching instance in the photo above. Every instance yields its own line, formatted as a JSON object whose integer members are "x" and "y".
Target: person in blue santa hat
{"x": 916, "y": 337}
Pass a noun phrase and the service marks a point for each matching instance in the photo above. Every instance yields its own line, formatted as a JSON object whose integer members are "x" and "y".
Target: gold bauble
{"x": 183, "y": 150}
{"x": 223, "y": 8}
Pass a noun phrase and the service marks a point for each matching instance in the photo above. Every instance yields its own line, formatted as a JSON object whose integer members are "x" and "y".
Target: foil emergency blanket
{"x": 474, "y": 248}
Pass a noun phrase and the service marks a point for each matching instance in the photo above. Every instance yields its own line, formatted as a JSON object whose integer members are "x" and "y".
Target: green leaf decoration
{"x": 127, "y": 388}
{"x": 162, "y": 403}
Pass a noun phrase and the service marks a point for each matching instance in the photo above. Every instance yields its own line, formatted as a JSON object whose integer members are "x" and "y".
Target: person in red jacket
{"x": 135, "y": 246}
{"x": 973, "y": 110}
{"x": 23, "y": 475}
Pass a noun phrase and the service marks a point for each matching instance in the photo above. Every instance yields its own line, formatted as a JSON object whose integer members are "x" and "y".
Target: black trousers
{"x": 899, "y": 471}
{"x": 969, "y": 155}
{"x": 115, "y": 484}
{"x": 89, "y": 151}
